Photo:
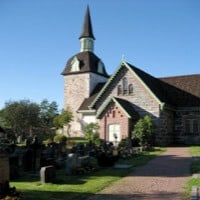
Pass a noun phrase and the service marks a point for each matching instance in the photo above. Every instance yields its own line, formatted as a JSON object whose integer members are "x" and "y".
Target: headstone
{"x": 71, "y": 163}
{"x": 47, "y": 174}
{"x": 83, "y": 161}
{"x": 4, "y": 168}
{"x": 4, "y": 174}
{"x": 27, "y": 159}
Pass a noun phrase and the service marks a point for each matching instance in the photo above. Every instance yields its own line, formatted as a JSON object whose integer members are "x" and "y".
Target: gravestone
{"x": 47, "y": 174}
{"x": 71, "y": 163}
{"x": 83, "y": 161}
{"x": 4, "y": 174}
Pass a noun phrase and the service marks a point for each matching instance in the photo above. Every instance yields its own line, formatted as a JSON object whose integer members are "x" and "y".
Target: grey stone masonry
{"x": 77, "y": 88}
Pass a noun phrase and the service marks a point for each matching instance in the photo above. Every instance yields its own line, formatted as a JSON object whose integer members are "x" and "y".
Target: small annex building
{"x": 117, "y": 101}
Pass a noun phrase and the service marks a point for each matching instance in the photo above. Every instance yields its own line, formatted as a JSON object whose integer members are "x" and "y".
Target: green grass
{"x": 195, "y": 168}
{"x": 82, "y": 186}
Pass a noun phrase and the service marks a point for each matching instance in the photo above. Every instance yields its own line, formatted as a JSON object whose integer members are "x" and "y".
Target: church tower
{"x": 82, "y": 73}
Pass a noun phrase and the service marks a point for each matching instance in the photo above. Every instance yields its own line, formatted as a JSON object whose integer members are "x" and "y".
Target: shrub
{"x": 91, "y": 133}
{"x": 143, "y": 130}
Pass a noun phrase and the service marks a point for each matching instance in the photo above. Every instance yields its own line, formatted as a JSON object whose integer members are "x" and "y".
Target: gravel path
{"x": 163, "y": 178}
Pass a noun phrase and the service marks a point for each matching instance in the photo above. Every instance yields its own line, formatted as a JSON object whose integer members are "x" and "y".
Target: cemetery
{"x": 64, "y": 163}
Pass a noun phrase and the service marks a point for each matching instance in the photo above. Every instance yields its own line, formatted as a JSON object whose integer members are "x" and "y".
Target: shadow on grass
{"x": 48, "y": 195}
{"x": 51, "y": 195}
{"x": 156, "y": 196}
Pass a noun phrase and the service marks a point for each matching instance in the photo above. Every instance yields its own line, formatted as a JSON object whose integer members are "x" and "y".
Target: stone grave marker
{"x": 4, "y": 173}
{"x": 47, "y": 174}
{"x": 71, "y": 163}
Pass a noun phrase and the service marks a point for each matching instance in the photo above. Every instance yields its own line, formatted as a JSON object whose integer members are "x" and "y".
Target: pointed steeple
{"x": 87, "y": 26}
{"x": 87, "y": 38}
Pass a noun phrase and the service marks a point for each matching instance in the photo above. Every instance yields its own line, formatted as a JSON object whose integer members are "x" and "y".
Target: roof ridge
{"x": 179, "y": 76}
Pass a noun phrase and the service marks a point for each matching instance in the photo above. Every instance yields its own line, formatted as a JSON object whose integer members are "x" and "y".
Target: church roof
{"x": 88, "y": 62}
{"x": 85, "y": 105}
{"x": 87, "y": 26}
{"x": 174, "y": 91}
{"x": 124, "y": 105}
{"x": 187, "y": 83}
{"x": 183, "y": 90}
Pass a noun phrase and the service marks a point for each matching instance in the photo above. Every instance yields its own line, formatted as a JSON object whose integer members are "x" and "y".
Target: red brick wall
{"x": 114, "y": 115}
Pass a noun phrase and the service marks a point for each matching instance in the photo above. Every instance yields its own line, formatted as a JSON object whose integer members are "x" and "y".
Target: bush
{"x": 143, "y": 131}
{"x": 91, "y": 133}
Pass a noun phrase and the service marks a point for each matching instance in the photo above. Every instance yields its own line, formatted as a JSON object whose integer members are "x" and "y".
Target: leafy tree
{"x": 143, "y": 130}
{"x": 63, "y": 119}
{"x": 48, "y": 110}
{"x": 60, "y": 138}
{"x": 91, "y": 132}
{"x": 21, "y": 116}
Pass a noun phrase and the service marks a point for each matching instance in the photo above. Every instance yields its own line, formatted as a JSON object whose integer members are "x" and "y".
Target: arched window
{"x": 125, "y": 85}
{"x": 119, "y": 90}
{"x": 130, "y": 89}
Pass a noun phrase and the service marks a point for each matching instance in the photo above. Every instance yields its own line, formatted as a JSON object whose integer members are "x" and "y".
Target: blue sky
{"x": 37, "y": 37}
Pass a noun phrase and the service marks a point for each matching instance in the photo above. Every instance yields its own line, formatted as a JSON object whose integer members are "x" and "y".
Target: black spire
{"x": 87, "y": 26}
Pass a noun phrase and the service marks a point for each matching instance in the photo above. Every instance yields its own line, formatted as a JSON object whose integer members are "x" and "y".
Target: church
{"x": 117, "y": 101}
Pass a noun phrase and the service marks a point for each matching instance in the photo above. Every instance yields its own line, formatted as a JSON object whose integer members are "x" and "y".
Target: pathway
{"x": 163, "y": 178}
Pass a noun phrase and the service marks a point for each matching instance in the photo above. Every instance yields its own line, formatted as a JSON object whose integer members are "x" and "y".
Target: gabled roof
{"x": 87, "y": 26}
{"x": 88, "y": 63}
{"x": 124, "y": 105}
{"x": 175, "y": 91}
{"x": 152, "y": 84}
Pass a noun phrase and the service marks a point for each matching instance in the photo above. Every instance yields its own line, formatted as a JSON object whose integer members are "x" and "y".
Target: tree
{"x": 47, "y": 113}
{"x": 63, "y": 119}
{"x": 21, "y": 116}
{"x": 91, "y": 132}
{"x": 143, "y": 130}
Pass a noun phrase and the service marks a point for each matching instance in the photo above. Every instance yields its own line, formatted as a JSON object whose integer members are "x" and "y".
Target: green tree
{"x": 48, "y": 110}
{"x": 21, "y": 116}
{"x": 91, "y": 132}
{"x": 63, "y": 119}
{"x": 143, "y": 130}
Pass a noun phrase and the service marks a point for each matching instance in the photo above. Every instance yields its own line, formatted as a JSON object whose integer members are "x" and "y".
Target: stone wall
{"x": 77, "y": 87}
{"x": 114, "y": 115}
{"x": 182, "y": 114}
{"x": 165, "y": 134}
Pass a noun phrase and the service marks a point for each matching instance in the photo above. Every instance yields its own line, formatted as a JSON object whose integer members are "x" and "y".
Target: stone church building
{"x": 117, "y": 101}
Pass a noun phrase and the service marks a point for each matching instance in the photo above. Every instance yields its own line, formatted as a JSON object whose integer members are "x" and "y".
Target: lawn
{"x": 195, "y": 168}
{"x": 80, "y": 186}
